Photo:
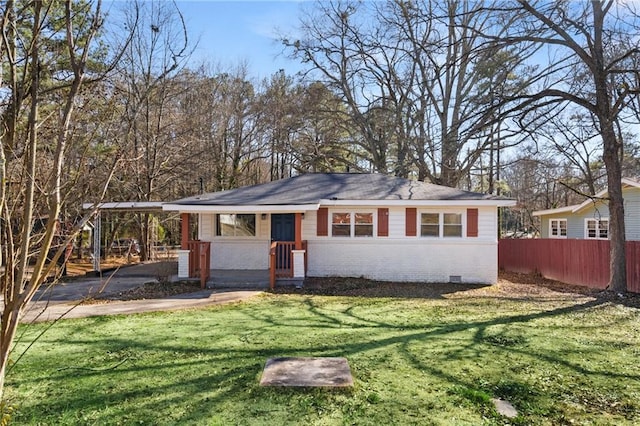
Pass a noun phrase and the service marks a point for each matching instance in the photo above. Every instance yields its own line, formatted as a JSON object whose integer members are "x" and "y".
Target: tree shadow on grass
{"x": 201, "y": 377}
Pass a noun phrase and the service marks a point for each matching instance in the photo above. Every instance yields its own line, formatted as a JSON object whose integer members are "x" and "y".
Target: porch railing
{"x": 199, "y": 260}
{"x": 281, "y": 260}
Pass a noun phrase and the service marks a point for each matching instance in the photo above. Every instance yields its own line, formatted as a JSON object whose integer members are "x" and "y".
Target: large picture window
{"x": 447, "y": 225}
{"x": 352, "y": 224}
{"x": 558, "y": 228}
{"x": 597, "y": 229}
{"x": 236, "y": 225}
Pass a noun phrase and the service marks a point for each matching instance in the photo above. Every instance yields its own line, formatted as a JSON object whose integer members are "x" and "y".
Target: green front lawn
{"x": 566, "y": 360}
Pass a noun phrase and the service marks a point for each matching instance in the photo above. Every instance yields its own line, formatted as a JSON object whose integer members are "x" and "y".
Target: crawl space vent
{"x": 455, "y": 278}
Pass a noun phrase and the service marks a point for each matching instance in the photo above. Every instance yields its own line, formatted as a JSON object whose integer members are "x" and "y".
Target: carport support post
{"x": 97, "y": 242}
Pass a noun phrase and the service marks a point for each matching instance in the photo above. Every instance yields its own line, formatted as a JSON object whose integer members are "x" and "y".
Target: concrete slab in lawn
{"x": 505, "y": 408}
{"x": 307, "y": 372}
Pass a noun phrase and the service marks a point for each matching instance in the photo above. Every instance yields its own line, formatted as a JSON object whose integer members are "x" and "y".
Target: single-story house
{"x": 590, "y": 219}
{"x": 352, "y": 225}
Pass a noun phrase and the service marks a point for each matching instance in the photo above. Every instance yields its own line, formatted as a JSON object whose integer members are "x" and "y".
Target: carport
{"x": 128, "y": 206}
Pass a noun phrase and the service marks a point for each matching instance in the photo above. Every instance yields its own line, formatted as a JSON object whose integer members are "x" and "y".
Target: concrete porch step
{"x": 225, "y": 278}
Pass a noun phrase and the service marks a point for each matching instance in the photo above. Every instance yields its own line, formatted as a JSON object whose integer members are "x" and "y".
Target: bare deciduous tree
{"x": 47, "y": 52}
{"x": 584, "y": 36}
{"x": 420, "y": 84}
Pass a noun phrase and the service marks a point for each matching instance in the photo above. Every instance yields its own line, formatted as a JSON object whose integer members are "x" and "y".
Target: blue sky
{"x": 236, "y": 30}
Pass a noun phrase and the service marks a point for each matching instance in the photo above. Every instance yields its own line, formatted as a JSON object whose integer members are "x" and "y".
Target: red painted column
{"x": 298, "y": 231}
{"x": 184, "y": 237}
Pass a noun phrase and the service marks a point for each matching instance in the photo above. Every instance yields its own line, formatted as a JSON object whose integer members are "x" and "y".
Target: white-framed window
{"x": 430, "y": 224}
{"x": 235, "y": 225}
{"x": 441, "y": 224}
{"x": 452, "y": 225}
{"x": 352, "y": 224}
{"x": 557, "y": 228}
{"x": 596, "y": 229}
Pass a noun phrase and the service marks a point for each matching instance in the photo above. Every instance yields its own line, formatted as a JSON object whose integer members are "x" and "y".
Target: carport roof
{"x": 136, "y": 206}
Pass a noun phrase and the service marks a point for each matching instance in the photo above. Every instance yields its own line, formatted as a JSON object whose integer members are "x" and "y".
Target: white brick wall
{"x": 405, "y": 260}
{"x": 240, "y": 254}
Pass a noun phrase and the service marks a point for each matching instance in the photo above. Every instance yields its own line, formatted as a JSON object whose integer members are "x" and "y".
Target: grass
{"x": 438, "y": 361}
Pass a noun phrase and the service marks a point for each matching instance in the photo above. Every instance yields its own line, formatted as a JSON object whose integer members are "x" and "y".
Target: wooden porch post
{"x": 298, "y": 227}
{"x": 184, "y": 236}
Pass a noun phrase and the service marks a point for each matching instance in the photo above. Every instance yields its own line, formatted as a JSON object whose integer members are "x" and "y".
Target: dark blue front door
{"x": 283, "y": 228}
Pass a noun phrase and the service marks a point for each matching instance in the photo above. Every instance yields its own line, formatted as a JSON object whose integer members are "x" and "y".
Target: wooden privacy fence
{"x": 580, "y": 262}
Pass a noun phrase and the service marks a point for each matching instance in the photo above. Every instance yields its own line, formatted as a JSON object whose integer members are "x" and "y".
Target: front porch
{"x": 222, "y": 262}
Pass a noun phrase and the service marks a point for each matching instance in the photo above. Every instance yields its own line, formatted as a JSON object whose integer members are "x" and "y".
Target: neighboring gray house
{"x": 590, "y": 220}
{"x": 347, "y": 224}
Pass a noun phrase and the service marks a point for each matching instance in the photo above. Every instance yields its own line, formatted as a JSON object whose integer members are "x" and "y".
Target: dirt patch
{"x": 361, "y": 287}
{"x": 80, "y": 267}
{"x": 535, "y": 286}
{"x": 510, "y": 285}
{"x": 150, "y": 290}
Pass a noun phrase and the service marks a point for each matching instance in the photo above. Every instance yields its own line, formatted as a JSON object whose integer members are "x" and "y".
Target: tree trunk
{"x": 9, "y": 327}
{"x": 617, "y": 262}
{"x": 612, "y": 155}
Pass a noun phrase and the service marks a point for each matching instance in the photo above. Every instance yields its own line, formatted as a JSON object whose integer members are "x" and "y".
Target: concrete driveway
{"x": 63, "y": 299}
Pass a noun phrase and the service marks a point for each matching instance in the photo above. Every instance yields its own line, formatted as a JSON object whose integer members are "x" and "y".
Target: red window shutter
{"x": 472, "y": 222}
{"x": 323, "y": 222}
{"x": 383, "y": 222}
{"x": 411, "y": 222}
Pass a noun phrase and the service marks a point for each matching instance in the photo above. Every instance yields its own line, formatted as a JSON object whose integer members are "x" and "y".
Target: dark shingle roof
{"x": 312, "y": 187}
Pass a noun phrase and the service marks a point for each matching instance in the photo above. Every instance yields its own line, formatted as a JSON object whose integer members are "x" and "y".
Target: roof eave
{"x": 138, "y": 206}
{"x": 626, "y": 182}
{"x": 567, "y": 209}
{"x": 421, "y": 203}
{"x": 263, "y": 208}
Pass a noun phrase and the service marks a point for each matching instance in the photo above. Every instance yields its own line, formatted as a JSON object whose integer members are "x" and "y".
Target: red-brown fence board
{"x": 580, "y": 262}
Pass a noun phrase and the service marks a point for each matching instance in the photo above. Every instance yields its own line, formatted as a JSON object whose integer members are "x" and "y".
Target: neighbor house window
{"x": 558, "y": 228}
{"x": 445, "y": 225}
{"x": 352, "y": 224}
{"x": 597, "y": 229}
{"x": 236, "y": 225}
